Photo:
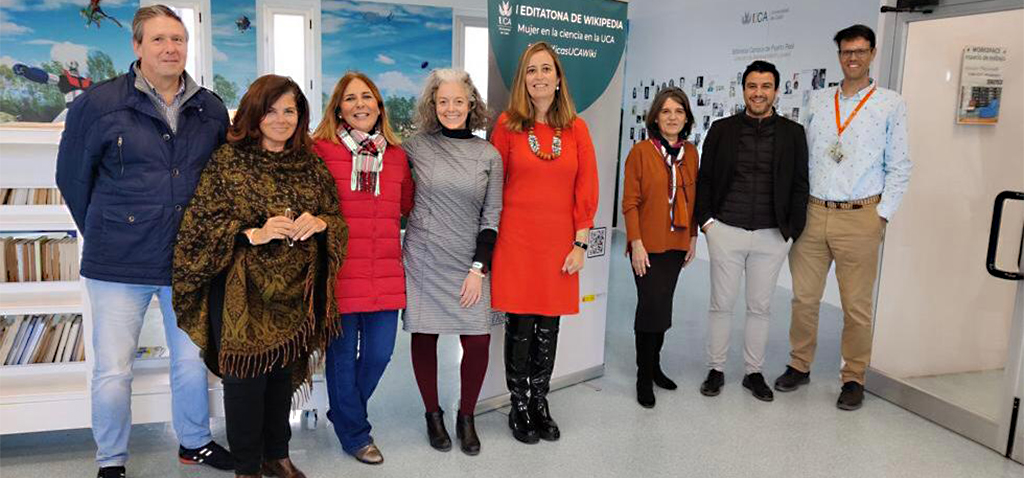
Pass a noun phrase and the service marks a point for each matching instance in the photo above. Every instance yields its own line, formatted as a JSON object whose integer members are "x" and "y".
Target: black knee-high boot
{"x": 542, "y": 355}
{"x": 518, "y": 337}
{"x": 660, "y": 379}
{"x": 645, "y": 343}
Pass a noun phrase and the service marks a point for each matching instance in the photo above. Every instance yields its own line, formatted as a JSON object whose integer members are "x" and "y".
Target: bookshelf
{"x": 56, "y": 396}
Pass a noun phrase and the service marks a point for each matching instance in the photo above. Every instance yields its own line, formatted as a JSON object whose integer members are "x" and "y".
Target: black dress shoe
{"x": 852, "y": 396}
{"x": 210, "y": 454}
{"x": 757, "y": 386}
{"x": 465, "y": 430}
{"x": 663, "y": 381}
{"x": 436, "y": 433}
{"x": 712, "y": 385}
{"x": 792, "y": 379}
{"x": 111, "y": 472}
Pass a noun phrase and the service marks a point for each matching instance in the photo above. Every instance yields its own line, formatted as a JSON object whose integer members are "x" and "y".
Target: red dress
{"x": 544, "y": 204}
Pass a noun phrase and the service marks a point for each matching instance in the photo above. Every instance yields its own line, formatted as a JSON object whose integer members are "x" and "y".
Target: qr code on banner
{"x": 597, "y": 241}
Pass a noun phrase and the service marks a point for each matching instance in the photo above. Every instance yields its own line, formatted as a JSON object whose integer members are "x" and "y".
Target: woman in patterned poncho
{"x": 256, "y": 259}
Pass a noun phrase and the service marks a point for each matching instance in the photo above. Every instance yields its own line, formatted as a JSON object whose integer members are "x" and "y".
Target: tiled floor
{"x": 605, "y": 433}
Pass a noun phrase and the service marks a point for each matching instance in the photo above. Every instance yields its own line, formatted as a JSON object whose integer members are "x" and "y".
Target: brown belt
{"x": 854, "y": 204}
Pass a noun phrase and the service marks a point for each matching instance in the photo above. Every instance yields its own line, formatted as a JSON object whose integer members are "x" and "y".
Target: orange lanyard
{"x": 842, "y": 127}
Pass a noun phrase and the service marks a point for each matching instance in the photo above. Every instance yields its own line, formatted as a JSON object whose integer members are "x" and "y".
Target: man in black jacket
{"x": 129, "y": 161}
{"x": 751, "y": 200}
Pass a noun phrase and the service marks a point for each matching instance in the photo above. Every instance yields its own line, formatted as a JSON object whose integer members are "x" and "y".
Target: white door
{"x": 948, "y": 333}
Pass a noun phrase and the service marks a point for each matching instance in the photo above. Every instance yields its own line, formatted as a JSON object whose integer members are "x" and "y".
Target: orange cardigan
{"x": 645, "y": 198}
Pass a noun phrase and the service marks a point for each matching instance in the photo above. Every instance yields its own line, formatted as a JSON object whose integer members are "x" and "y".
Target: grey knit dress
{"x": 458, "y": 194}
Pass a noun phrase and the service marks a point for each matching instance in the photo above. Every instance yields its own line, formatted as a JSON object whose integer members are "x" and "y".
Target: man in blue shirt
{"x": 859, "y": 168}
{"x": 129, "y": 161}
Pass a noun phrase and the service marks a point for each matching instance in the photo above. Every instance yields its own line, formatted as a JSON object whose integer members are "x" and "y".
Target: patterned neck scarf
{"x": 367, "y": 157}
{"x": 673, "y": 155}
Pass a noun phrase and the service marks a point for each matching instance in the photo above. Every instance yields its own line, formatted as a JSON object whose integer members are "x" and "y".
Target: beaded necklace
{"x": 556, "y": 145}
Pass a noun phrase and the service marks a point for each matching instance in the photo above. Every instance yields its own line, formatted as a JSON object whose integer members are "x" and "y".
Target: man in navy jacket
{"x": 129, "y": 161}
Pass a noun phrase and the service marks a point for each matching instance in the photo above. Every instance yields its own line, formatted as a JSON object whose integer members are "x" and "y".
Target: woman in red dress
{"x": 549, "y": 201}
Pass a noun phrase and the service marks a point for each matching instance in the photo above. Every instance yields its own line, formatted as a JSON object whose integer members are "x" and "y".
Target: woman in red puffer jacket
{"x": 375, "y": 187}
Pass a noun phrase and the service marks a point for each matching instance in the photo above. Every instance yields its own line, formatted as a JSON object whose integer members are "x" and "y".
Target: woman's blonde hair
{"x": 520, "y": 112}
{"x": 328, "y": 127}
{"x": 426, "y": 107}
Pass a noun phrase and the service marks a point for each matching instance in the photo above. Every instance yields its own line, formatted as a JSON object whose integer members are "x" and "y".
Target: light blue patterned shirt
{"x": 876, "y": 159}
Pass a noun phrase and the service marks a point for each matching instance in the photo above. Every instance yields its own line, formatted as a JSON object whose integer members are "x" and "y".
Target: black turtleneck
{"x": 463, "y": 133}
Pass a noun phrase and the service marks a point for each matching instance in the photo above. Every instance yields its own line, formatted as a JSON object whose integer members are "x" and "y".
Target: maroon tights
{"x": 475, "y": 349}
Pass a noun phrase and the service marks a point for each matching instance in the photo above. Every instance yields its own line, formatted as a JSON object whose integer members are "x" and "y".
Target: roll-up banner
{"x": 590, "y": 38}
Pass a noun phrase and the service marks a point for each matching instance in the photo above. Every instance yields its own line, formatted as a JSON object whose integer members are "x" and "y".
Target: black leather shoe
{"x": 465, "y": 430}
{"x": 521, "y": 424}
{"x": 111, "y": 472}
{"x": 852, "y": 396}
{"x": 663, "y": 381}
{"x": 712, "y": 385}
{"x": 436, "y": 433}
{"x": 210, "y": 454}
{"x": 792, "y": 379}
{"x": 757, "y": 386}
{"x": 541, "y": 415}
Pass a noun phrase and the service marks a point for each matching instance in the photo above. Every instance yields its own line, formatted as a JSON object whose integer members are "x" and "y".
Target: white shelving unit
{"x": 42, "y": 397}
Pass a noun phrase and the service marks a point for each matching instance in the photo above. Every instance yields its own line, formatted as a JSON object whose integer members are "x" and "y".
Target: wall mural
{"x": 234, "y": 48}
{"x": 50, "y": 52}
{"x": 395, "y": 45}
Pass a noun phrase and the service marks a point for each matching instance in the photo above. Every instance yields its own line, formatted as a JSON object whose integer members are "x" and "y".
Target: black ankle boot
{"x": 542, "y": 356}
{"x": 518, "y": 335}
{"x": 438, "y": 435}
{"x": 465, "y": 430}
{"x": 644, "y": 370}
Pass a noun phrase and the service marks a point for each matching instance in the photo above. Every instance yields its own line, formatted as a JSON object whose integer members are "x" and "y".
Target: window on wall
{"x": 289, "y": 46}
{"x": 195, "y": 14}
{"x": 472, "y": 50}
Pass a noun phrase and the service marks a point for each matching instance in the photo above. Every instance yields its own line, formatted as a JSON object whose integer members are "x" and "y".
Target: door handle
{"x": 993, "y": 236}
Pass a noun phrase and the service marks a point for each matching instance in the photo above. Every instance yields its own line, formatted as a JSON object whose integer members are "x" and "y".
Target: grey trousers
{"x": 736, "y": 253}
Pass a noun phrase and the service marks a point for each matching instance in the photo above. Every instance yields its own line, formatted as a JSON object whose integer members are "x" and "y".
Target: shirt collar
{"x": 145, "y": 86}
{"x": 860, "y": 93}
{"x": 768, "y": 120}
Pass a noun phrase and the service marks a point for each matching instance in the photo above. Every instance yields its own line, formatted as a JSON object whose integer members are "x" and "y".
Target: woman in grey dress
{"x": 448, "y": 244}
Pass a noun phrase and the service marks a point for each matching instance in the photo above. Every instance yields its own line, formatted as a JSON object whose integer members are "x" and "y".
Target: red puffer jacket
{"x": 372, "y": 277}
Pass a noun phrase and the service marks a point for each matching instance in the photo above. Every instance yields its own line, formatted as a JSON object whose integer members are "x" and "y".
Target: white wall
{"x": 938, "y": 309}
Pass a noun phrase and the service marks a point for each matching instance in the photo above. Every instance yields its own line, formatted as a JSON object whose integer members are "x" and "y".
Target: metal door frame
{"x": 893, "y": 37}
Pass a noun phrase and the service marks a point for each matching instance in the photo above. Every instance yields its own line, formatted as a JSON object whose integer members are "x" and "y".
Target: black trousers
{"x": 256, "y": 411}
{"x": 654, "y": 291}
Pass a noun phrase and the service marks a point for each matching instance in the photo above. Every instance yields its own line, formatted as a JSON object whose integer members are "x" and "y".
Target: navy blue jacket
{"x": 127, "y": 178}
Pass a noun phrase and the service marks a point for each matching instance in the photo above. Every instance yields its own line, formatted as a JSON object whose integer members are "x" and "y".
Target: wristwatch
{"x": 580, "y": 244}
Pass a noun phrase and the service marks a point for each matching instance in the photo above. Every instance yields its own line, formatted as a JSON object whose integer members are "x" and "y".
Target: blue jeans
{"x": 118, "y": 310}
{"x": 352, "y": 376}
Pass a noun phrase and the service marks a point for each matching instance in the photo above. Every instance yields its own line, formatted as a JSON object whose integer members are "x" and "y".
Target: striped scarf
{"x": 367, "y": 157}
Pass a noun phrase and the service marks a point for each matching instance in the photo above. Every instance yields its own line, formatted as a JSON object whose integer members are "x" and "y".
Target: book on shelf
{"x": 8, "y": 331}
{"x": 36, "y": 257}
{"x": 30, "y": 197}
{"x": 151, "y": 352}
{"x": 42, "y": 338}
{"x": 73, "y": 337}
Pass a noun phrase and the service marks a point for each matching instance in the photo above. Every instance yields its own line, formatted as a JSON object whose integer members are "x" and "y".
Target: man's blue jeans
{"x": 355, "y": 364}
{"x": 118, "y": 310}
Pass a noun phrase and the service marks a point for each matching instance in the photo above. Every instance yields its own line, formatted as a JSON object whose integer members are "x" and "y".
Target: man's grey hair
{"x": 426, "y": 107}
{"x": 145, "y": 14}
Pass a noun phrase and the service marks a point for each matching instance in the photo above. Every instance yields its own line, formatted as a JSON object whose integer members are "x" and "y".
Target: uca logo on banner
{"x": 504, "y": 18}
{"x": 764, "y": 16}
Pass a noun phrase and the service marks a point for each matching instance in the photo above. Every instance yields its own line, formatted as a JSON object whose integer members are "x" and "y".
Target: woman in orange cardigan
{"x": 657, "y": 201}
{"x": 548, "y": 206}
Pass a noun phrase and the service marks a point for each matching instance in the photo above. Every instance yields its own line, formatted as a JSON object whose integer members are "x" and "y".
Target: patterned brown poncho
{"x": 278, "y": 310}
